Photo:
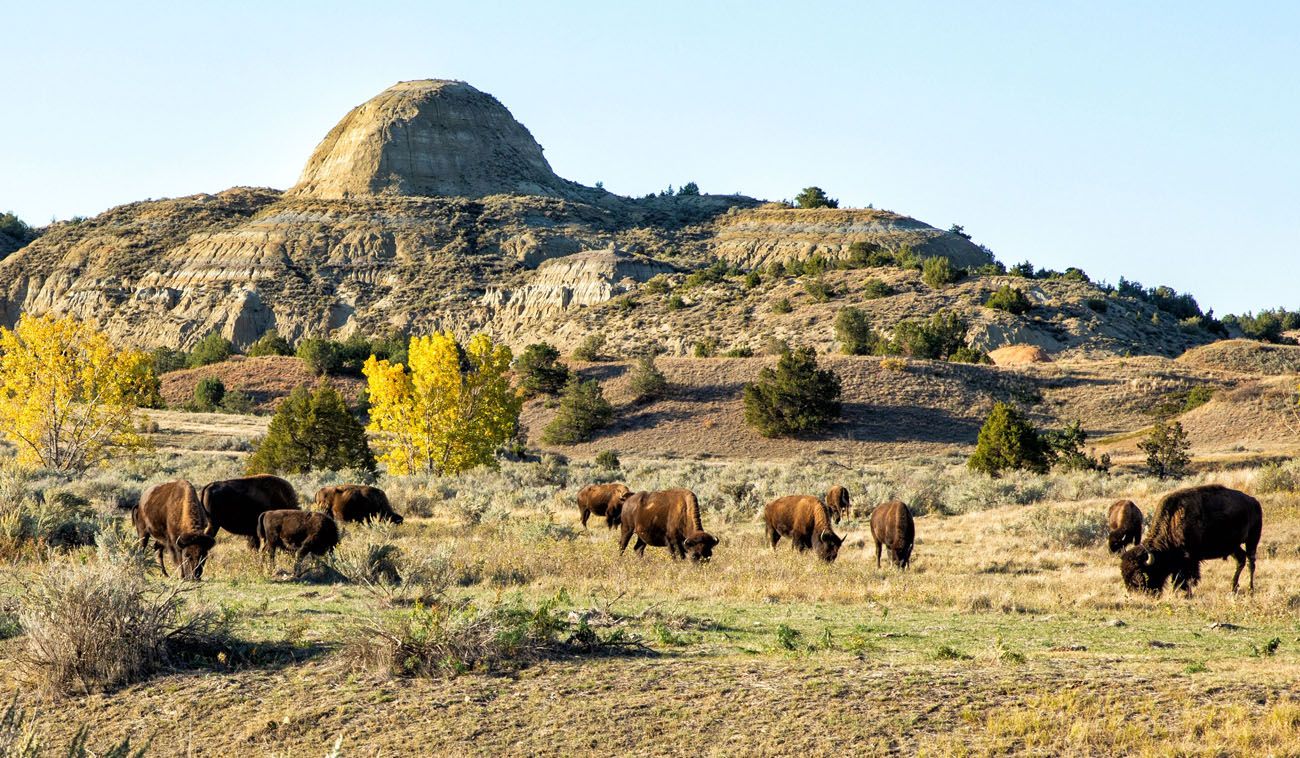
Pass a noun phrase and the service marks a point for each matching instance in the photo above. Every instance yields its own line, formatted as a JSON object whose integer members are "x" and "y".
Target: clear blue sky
{"x": 1158, "y": 140}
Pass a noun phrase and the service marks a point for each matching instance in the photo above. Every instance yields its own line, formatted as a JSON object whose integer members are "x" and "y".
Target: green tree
{"x": 211, "y": 349}
{"x": 689, "y": 189}
{"x": 796, "y": 397}
{"x": 1009, "y": 299}
{"x": 854, "y": 333}
{"x": 1168, "y": 450}
{"x": 168, "y": 359}
{"x": 209, "y": 393}
{"x": 583, "y": 411}
{"x": 312, "y": 431}
{"x": 815, "y": 197}
{"x": 1008, "y": 441}
{"x": 539, "y": 370}
{"x": 646, "y": 381}
{"x": 324, "y": 357}
{"x": 938, "y": 338}
{"x": 270, "y": 343}
{"x": 938, "y": 272}
{"x": 589, "y": 350}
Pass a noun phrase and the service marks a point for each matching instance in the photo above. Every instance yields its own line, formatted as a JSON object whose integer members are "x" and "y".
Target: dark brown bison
{"x": 670, "y": 518}
{"x": 598, "y": 498}
{"x": 806, "y": 522}
{"x": 837, "y": 500}
{"x": 235, "y": 504}
{"x": 1190, "y": 526}
{"x": 1125, "y": 522}
{"x": 892, "y": 527}
{"x": 298, "y": 531}
{"x": 171, "y": 515}
{"x": 355, "y": 502}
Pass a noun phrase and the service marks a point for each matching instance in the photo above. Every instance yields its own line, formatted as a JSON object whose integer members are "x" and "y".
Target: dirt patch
{"x": 1245, "y": 356}
{"x": 267, "y": 380}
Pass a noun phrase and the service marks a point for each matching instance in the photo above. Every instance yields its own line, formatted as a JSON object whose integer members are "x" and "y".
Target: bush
{"x": 1009, "y": 299}
{"x": 853, "y": 331}
{"x": 608, "y": 459}
{"x": 705, "y": 348}
{"x": 775, "y": 346}
{"x": 237, "y": 402}
{"x": 818, "y": 290}
{"x": 795, "y": 398}
{"x": 782, "y": 306}
{"x": 48, "y": 520}
{"x": 1065, "y": 450}
{"x": 589, "y": 350}
{"x": 711, "y": 274}
{"x": 1097, "y": 304}
{"x": 211, "y": 349}
{"x": 539, "y": 370}
{"x": 208, "y": 394}
{"x": 270, "y": 343}
{"x": 689, "y": 189}
{"x": 166, "y": 359}
{"x": 1068, "y": 529}
{"x": 94, "y": 626}
{"x": 658, "y": 285}
{"x": 938, "y": 272}
{"x": 1275, "y": 477}
{"x": 815, "y": 197}
{"x": 1008, "y": 441}
{"x": 312, "y": 431}
{"x": 583, "y": 411}
{"x": 753, "y": 279}
{"x": 646, "y": 381}
{"x": 874, "y": 288}
{"x": 936, "y": 339}
{"x": 674, "y": 302}
{"x": 324, "y": 357}
{"x": 1167, "y": 449}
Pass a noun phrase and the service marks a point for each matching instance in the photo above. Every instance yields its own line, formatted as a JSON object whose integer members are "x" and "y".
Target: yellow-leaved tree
{"x": 67, "y": 395}
{"x": 447, "y": 410}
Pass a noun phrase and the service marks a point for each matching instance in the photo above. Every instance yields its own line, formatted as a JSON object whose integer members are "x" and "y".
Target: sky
{"x": 1159, "y": 141}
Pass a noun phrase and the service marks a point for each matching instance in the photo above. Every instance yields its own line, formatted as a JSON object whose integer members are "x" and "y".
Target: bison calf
{"x": 355, "y": 502}
{"x": 598, "y": 499}
{"x": 1125, "y": 522}
{"x": 171, "y": 516}
{"x": 892, "y": 527}
{"x": 1190, "y": 526}
{"x": 297, "y": 531}
{"x": 805, "y": 521}
{"x": 670, "y": 519}
{"x": 837, "y": 500}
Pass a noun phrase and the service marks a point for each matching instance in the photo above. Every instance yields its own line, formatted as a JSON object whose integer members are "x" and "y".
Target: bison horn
{"x": 1149, "y": 559}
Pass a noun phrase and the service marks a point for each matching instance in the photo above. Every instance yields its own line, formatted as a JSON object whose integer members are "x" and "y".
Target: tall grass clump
{"x": 1058, "y": 527}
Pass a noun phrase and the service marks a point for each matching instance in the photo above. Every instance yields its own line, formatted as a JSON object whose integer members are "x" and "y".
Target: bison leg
{"x": 269, "y": 551}
{"x": 625, "y": 538}
{"x": 253, "y": 542}
{"x": 773, "y": 536}
{"x": 879, "y": 548}
{"x": 297, "y": 561}
{"x": 161, "y": 563}
{"x": 1239, "y": 556}
{"x": 639, "y": 547}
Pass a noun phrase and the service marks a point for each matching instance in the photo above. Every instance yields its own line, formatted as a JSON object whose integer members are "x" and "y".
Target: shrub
{"x": 1065, "y": 528}
{"x": 167, "y": 359}
{"x": 818, "y": 290}
{"x": 238, "y": 402}
{"x": 705, "y": 348}
{"x": 689, "y": 189}
{"x": 874, "y": 288}
{"x": 324, "y": 357}
{"x": 1023, "y": 270}
{"x": 1167, "y": 449}
{"x": 1097, "y": 304}
{"x": 815, "y": 197}
{"x": 312, "y": 431}
{"x": 1009, "y": 299}
{"x": 270, "y": 343}
{"x": 1275, "y": 477}
{"x": 589, "y": 350}
{"x": 211, "y": 349}
{"x": 48, "y": 520}
{"x": 608, "y": 459}
{"x": 966, "y": 354}
{"x": 938, "y": 272}
{"x": 646, "y": 381}
{"x": 208, "y": 394}
{"x": 583, "y": 411}
{"x": 94, "y": 626}
{"x": 782, "y": 306}
{"x": 658, "y": 285}
{"x": 775, "y": 346}
{"x": 797, "y": 397}
{"x": 539, "y": 370}
{"x": 753, "y": 279}
{"x": 743, "y": 351}
{"x": 853, "y": 331}
{"x": 1065, "y": 449}
{"x": 673, "y": 303}
{"x": 1008, "y": 441}
{"x": 711, "y": 274}
{"x": 936, "y": 339}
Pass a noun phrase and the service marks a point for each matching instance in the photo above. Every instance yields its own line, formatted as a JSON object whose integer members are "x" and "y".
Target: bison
{"x": 235, "y": 504}
{"x": 892, "y": 527}
{"x": 837, "y": 500}
{"x": 171, "y": 515}
{"x": 670, "y": 518}
{"x": 1189, "y": 526}
{"x": 298, "y": 531}
{"x": 355, "y": 502}
{"x": 599, "y": 498}
{"x": 806, "y": 522}
{"x": 1125, "y": 522}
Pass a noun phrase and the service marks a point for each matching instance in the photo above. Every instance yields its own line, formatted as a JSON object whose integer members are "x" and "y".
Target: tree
{"x": 815, "y": 197}
{"x": 323, "y": 356}
{"x": 312, "y": 431}
{"x": 589, "y": 350}
{"x": 67, "y": 396}
{"x": 939, "y": 338}
{"x": 1168, "y": 450}
{"x": 938, "y": 272}
{"x": 1008, "y": 441}
{"x": 646, "y": 381}
{"x": 853, "y": 331}
{"x": 583, "y": 411}
{"x": 795, "y": 398}
{"x": 209, "y": 393}
{"x": 958, "y": 230}
{"x": 211, "y": 349}
{"x": 445, "y": 412}
{"x": 539, "y": 370}
{"x": 689, "y": 189}
{"x": 270, "y": 343}
{"x": 1009, "y": 299}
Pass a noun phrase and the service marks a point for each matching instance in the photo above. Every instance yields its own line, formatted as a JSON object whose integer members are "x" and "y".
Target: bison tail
{"x": 261, "y": 529}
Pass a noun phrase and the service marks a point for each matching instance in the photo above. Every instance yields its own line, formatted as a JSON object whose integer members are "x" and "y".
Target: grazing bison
{"x": 171, "y": 515}
{"x": 670, "y": 518}
{"x": 599, "y": 498}
{"x": 355, "y": 502}
{"x": 892, "y": 527}
{"x": 1125, "y": 522}
{"x": 805, "y": 522}
{"x": 235, "y": 504}
{"x": 297, "y": 531}
{"x": 1190, "y": 526}
{"x": 837, "y": 500}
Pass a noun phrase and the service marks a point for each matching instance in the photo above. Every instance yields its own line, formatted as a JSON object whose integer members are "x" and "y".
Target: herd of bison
{"x": 1190, "y": 525}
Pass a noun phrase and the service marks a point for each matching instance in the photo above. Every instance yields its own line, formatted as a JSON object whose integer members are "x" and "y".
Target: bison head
{"x": 614, "y": 510}
{"x": 1144, "y": 570}
{"x": 192, "y": 552}
{"x": 699, "y": 546}
{"x": 1116, "y": 541}
{"x": 827, "y": 545}
{"x": 837, "y": 502}
{"x": 392, "y": 516}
